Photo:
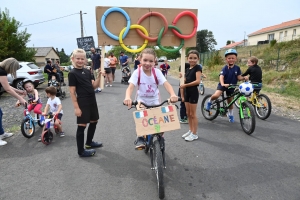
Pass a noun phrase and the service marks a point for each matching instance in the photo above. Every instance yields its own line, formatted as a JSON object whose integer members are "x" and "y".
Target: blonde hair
{"x": 148, "y": 51}
{"x": 10, "y": 65}
{"x": 75, "y": 52}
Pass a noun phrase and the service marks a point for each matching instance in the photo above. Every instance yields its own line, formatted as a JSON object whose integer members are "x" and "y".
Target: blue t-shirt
{"x": 230, "y": 74}
{"x": 123, "y": 59}
{"x": 96, "y": 60}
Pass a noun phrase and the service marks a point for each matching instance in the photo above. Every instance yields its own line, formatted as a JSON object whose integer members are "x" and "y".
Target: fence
{"x": 276, "y": 59}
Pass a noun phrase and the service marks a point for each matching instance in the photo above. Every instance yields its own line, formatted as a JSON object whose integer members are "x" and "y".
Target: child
{"x": 108, "y": 74}
{"x": 164, "y": 68}
{"x": 33, "y": 96}
{"x": 55, "y": 106}
{"x": 147, "y": 92}
{"x": 230, "y": 74}
{"x": 53, "y": 82}
{"x": 191, "y": 95}
{"x": 82, "y": 93}
{"x": 255, "y": 73}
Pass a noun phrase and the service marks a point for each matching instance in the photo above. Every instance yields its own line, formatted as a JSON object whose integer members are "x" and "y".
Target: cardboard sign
{"x": 156, "y": 120}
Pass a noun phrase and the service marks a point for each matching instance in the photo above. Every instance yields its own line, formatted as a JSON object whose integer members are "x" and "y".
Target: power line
{"x": 49, "y": 20}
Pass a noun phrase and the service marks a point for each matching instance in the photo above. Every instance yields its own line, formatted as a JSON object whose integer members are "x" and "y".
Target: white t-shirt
{"x": 106, "y": 62}
{"x": 148, "y": 91}
{"x": 53, "y": 103}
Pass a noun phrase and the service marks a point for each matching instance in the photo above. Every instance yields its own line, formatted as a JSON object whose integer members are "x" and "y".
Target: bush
{"x": 273, "y": 42}
{"x": 214, "y": 60}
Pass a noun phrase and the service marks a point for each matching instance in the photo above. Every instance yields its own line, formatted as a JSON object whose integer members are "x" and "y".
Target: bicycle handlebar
{"x": 135, "y": 103}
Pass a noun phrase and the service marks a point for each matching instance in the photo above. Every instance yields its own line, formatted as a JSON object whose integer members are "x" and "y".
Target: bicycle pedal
{"x": 140, "y": 148}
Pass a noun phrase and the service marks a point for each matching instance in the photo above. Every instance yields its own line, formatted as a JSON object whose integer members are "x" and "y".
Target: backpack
{"x": 153, "y": 72}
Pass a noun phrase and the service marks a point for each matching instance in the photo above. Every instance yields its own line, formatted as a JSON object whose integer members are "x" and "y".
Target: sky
{"x": 228, "y": 20}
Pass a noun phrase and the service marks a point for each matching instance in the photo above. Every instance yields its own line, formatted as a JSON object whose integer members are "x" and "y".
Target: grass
{"x": 14, "y": 129}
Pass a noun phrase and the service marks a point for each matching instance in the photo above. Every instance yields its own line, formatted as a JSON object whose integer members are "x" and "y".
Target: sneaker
{"x": 62, "y": 134}
{"x": 184, "y": 121}
{"x": 106, "y": 85}
{"x": 93, "y": 145}
{"x": 208, "y": 105}
{"x": 191, "y": 137}
{"x": 110, "y": 85}
{"x": 231, "y": 118}
{"x": 88, "y": 153}
{"x": 186, "y": 134}
{"x": 64, "y": 84}
{"x": 2, "y": 143}
{"x": 40, "y": 139}
{"x": 6, "y": 135}
{"x": 99, "y": 89}
{"x": 140, "y": 143}
{"x": 96, "y": 91}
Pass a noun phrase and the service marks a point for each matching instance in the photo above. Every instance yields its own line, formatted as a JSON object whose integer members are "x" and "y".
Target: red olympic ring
{"x": 191, "y": 14}
{"x": 152, "y": 39}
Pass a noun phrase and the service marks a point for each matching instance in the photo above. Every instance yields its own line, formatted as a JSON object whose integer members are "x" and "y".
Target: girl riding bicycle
{"x": 147, "y": 78}
{"x": 35, "y": 102}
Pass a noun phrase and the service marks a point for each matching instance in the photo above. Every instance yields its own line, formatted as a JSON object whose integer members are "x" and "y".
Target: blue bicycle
{"x": 29, "y": 122}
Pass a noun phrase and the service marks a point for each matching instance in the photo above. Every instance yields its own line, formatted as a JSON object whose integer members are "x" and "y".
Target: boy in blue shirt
{"x": 230, "y": 74}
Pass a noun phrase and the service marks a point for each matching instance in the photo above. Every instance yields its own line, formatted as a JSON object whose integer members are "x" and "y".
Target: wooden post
{"x": 102, "y": 66}
{"x": 182, "y": 65}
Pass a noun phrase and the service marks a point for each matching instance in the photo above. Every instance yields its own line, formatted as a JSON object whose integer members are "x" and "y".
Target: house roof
{"x": 288, "y": 24}
{"x": 233, "y": 45}
{"x": 43, "y": 51}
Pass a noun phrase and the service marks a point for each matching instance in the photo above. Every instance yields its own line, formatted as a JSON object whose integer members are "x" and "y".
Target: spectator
{"x": 8, "y": 66}
{"x": 96, "y": 62}
{"x": 113, "y": 64}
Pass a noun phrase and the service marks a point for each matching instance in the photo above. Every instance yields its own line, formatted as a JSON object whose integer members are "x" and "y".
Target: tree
{"x": 12, "y": 42}
{"x": 169, "y": 55}
{"x": 64, "y": 58}
{"x": 228, "y": 42}
{"x": 205, "y": 41}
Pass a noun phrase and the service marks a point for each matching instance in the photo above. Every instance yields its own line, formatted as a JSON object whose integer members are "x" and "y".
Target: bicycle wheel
{"x": 41, "y": 124}
{"x": 27, "y": 128}
{"x": 214, "y": 109}
{"x": 47, "y": 137}
{"x": 201, "y": 89}
{"x": 263, "y": 106}
{"x": 158, "y": 167}
{"x": 147, "y": 145}
{"x": 247, "y": 117}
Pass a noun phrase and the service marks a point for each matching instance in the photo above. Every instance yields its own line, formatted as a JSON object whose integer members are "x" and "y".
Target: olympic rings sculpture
{"x": 144, "y": 33}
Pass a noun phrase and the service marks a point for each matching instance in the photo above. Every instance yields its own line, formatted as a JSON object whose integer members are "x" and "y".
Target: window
{"x": 285, "y": 33}
{"x": 294, "y": 32}
{"x": 280, "y": 36}
{"x": 271, "y": 37}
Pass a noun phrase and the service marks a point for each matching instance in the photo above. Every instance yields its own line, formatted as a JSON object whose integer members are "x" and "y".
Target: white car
{"x": 27, "y": 70}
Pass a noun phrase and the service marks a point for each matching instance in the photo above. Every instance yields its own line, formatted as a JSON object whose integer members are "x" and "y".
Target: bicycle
{"x": 246, "y": 112}
{"x": 28, "y": 123}
{"x": 201, "y": 87}
{"x": 157, "y": 149}
{"x": 261, "y": 103}
{"x": 47, "y": 135}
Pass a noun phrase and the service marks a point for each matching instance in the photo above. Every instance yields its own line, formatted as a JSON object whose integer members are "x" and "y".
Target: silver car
{"x": 27, "y": 70}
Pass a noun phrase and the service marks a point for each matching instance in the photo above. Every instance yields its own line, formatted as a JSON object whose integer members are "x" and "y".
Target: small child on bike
{"x": 165, "y": 68}
{"x": 55, "y": 106}
{"x": 255, "y": 73}
{"x": 147, "y": 78}
{"x": 35, "y": 102}
{"x": 230, "y": 74}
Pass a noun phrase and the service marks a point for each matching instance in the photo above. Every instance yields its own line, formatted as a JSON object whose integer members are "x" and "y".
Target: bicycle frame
{"x": 149, "y": 143}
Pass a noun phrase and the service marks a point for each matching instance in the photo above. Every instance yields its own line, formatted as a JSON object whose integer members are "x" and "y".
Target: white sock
{"x": 230, "y": 111}
{"x": 209, "y": 100}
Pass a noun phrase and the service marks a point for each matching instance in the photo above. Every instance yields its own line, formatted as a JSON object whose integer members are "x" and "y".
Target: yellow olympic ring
{"x": 133, "y": 50}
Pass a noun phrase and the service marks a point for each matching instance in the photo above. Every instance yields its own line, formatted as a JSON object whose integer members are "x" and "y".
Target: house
{"x": 235, "y": 44}
{"x": 43, "y": 54}
{"x": 285, "y": 31}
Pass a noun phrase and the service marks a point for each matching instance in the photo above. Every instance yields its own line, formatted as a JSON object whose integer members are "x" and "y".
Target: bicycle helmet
{"x": 26, "y": 81}
{"x": 230, "y": 52}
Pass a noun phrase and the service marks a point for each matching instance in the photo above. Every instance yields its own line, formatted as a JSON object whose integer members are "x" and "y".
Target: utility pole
{"x": 81, "y": 24}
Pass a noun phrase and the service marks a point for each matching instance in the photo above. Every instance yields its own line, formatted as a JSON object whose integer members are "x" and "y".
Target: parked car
{"x": 66, "y": 68}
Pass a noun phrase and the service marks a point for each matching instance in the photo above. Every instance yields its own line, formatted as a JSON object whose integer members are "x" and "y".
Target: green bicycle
{"x": 220, "y": 107}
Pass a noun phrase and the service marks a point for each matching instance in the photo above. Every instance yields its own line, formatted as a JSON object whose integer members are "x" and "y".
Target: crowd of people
{"x": 84, "y": 83}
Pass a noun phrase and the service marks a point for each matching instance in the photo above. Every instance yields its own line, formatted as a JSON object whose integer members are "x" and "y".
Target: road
{"x": 223, "y": 164}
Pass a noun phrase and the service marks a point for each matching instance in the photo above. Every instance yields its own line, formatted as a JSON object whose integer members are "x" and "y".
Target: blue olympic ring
{"x": 106, "y": 13}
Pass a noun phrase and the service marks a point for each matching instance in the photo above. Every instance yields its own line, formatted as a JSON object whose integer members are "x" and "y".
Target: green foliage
{"x": 272, "y": 43}
{"x": 215, "y": 59}
{"x": 64, "y": 58}
{"x": 117, "y": 49}
{"x": 12, "y": 42}
{"x": 228, "y": 42}
{"x": 169, "y": 55}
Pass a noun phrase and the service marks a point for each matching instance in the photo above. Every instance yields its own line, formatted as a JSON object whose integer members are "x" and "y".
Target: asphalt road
{"x": 223, "y": 164}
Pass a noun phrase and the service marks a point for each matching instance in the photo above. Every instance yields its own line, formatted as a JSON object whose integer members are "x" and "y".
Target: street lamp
{"x": 81, "y": 23}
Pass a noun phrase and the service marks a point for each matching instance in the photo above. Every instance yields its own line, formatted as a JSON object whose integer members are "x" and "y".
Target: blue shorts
{"x": 225, "y": 89}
